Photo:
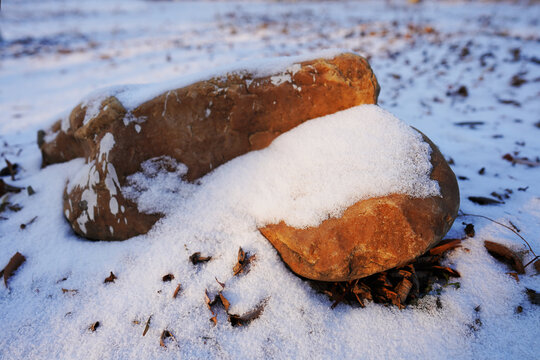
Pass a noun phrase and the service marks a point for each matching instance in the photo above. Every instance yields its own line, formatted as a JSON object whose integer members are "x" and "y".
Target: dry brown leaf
{"x": 501, "y": 252}
{"x": 196, "y": 258}
{"x": 167, "y": 278}
{"x": 469, "y": 230}
{"x": 165, "y": 334}
{"x": 524, "y": 161}
{"x": 72, "y": 291}
{"x": 220, "y": 283}
{"x": 110, "y": 278}
{"x": 178, "y": 288}
{"x": 245, "y": 319}
{"x": 403, "y": 289}
{"x": 224, "y": 301}
{"x": 243, "y": 261}
{"x": 482, "y": 200}
{"x": 534, "y": 297}
{"x": 5, "y": 188}
{"x": 514, "y": 275}
{"x": 94, "y": 326}
{"x": 445, "y": 246}
{"x": 209, "y": 304}
{"x": 446, "y": 270}
{"x": 207, "y": 300}
{"x": 14, "y": 263}
{"x": 147, "y": 326}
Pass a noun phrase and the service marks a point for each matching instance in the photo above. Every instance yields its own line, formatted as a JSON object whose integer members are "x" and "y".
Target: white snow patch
{"x": 90, "y": 196}
{"x": 113, "y": 205}
{"x": 130, "y": 118}
{"x": 105, "y": 146}
{"x": 280, "y": 79}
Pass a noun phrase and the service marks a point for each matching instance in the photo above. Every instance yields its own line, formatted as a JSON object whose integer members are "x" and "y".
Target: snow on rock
{"x": 321, "y": 167}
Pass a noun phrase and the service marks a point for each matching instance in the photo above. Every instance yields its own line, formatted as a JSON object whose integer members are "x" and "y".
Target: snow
{"x": 56, "y": 52}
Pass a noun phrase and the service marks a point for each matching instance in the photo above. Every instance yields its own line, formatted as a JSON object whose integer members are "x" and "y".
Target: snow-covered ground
{"x": 465, "y": 74}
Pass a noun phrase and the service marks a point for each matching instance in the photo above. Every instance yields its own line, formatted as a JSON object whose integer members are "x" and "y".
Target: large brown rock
{"x": 372, "y": 235}
{"x": 202, "y": 125}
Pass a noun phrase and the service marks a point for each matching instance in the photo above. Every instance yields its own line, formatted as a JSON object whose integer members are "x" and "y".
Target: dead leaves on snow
{"x": 110, "y": 278}
{"x": 523, "y": 160}
{"x": 504, "y": 254}
{"x": 243, "y": 261}
{"x": 177, "y": 290}
{"x": 196, "y": 258}
{"x": 14, "y": 263}
{"x": 94, "y": 326}
{"x": 234, "y": 319}
{"x": 166, "y": 334}
{"x": 399, "y": 286}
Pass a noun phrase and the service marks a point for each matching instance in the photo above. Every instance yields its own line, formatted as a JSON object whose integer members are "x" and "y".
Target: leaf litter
{"x": 14, "y": 263}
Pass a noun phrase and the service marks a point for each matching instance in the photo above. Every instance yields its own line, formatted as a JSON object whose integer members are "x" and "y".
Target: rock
{"x": 372, "y": 235}
{"x": 202, "y": 125}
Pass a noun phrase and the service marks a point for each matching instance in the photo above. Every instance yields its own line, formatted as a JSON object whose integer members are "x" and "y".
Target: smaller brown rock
{"x": 372, "y": 235}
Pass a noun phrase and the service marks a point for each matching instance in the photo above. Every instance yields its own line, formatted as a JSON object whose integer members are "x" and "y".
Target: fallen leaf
{"x": 471, "y": 124}
{"x": 220, "y": 283}
{"x": 469, "y": 230}
{"x": 110, "y": 278}
{"x": 446, "y": 270}
{"x": 224, "y": 301}
{"x": 509, "y": 102}
{"x": 165, "y": 334}
{"x": 10, "y": 169}
{"x": 167, "y": 278}
{"x": 481, "y": 200}
{"x": 444, "y": 246}
{"x": 147, "y": 326}
{"x": 523, "y": 161}
{"x": 196, "y": 258}
{"x": 517, "y": 80}
{"x": 94, "y": 326}
{"x": 5, "y": 188}
{"x": 403, "y": 289}
{"x": 209, "y": 304}
{"x": 14, "y": 263}
{"x": 514, "y": 275}
{"x": 72, "y": 291}
{"x": 178, "y": 288}
{"x": 245, "y": 319}
{"x": 243, "y": 261}
{"x": 501, "y": 252}
{"x": 534, "y": 297}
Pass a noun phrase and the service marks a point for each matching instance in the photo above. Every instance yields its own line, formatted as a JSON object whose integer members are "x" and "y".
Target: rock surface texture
{"x": 372, "y": 235}
{"x": 202, "y": 125}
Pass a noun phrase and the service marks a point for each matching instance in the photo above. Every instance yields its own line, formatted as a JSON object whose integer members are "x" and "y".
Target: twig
{"x": 509, "y": 228}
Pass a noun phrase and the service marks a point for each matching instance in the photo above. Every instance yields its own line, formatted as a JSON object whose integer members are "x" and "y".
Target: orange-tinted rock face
{"x": 372, "y": 235}
{"x": 202, "y": 125}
